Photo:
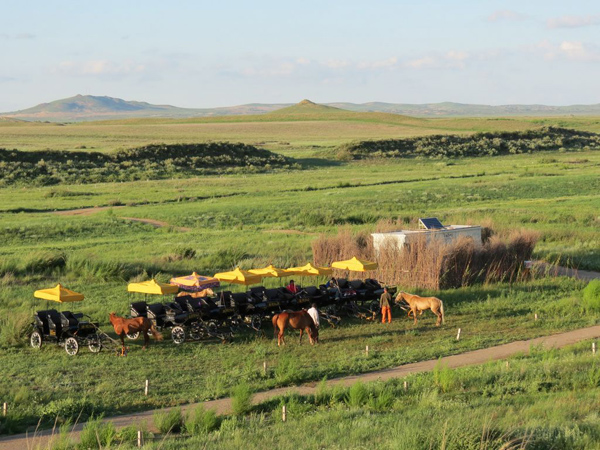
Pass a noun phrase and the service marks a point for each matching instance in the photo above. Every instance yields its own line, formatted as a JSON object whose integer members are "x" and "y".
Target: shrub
{"x": 14, "y": 328}
{"x": 202, "y": 421}
{"x": 241, "y": 400}
{"x": 357, "y": 395}
{"x": 97, "y": 434}
{"x": 171, "y": 421}
{"x": 591, "y": 296}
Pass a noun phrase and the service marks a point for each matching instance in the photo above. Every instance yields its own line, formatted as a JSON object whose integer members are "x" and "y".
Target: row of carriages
{"x": 224, "y": 314}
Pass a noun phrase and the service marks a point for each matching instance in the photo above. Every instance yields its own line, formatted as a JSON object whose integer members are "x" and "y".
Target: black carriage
{"x": 66, "y": 329}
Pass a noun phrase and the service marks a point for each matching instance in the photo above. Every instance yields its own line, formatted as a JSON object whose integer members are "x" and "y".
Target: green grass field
{"x": 256, "y": 219}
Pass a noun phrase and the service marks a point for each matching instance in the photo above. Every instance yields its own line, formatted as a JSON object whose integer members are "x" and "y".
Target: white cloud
{"x": 570, "y": 50}
{"x": 335, "y": 63}
{"x": 425, "y": 62}
{"x": 379, "y": 64}
{"x": 17, "y": 36}
{"x": 573, "y": 21}
{"x": 100, "y": 67}
{"x": 303, "y": 61}
{"x": 505, "y": 14}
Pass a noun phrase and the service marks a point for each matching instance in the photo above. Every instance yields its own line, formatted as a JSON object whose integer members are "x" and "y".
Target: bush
{"x": 171, "y": 421}
{"x": 97, "y": 434}
{"x": 68, "y": 409}
{"x": 591, "y": 296}
{"x": 14, "y": 328}
{"x": 202, "y": 421}
{"x": 357, "y": 395}
{"x": 241, "y": 400}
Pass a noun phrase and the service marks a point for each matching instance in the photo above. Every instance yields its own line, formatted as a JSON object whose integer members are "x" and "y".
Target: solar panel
{"x": 431, "y": 223}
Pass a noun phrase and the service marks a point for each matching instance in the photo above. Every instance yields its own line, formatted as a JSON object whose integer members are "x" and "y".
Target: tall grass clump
{"x": 358, "y": 394}
{"x": 171, "y": 421}
{"x": 432, "y": 264}
{"x": 14, "y": 328}
{"x": 97, "y": 434}
{"x": 241, "y": 400}
{"x": 44, "y": 262}
{"x": 591, "y": 296}
{"x": 201, "y": 421}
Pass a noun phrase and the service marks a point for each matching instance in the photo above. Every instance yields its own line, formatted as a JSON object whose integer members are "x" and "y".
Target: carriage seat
{"x": 357, "y": 285}
{"x": 224, "y": 299}
{"x": 138, "y": 309}
{"x": 41, "y": 320}
{"x": 342, "y": 283}
{"x": 258, "y": 294}
{"x": 156, "y": 310}
{"x": 240, "y": 298}
{"x": 69, "y": 320}
{"x": 54, "y": 321}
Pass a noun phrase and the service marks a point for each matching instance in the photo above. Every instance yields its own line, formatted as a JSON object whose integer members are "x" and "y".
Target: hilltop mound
{"x": 306, "y": 107}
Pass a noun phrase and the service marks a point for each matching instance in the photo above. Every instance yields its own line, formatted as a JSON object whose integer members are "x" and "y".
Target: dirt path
{"x": 559, "y": 271}
{"x": 85, "y": 211}
{"x": 223, "y": 406}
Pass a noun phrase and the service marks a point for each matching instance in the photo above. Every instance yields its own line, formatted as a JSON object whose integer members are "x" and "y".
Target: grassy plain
{"x": 258, "y": 219}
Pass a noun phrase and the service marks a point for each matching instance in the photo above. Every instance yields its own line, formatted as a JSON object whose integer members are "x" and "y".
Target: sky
{"x": 201, "y": 54}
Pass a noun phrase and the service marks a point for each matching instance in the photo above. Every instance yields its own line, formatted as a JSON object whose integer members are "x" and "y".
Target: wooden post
{"x": 367, "y": 350}
{"x": 146, "y": 388}
{"x": 139, "y": 438}
{"x": 283, "y": 414}
{"x": 507, "y": 364}
{"x": 405, "y": 386}
{"x": 593, "y": 352}
{"x": 265, "y": 368}
{"x": 535, "y": 316}
{"x": 458, "y": 335}
{"x": 4, "y": 409}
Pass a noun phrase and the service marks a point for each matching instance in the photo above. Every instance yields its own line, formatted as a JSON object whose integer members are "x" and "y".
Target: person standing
{"x": 314, "y": 313}
{"x": 386, "y": 305}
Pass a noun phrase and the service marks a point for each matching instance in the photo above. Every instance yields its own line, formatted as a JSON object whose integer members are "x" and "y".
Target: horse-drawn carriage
{"x": 65, "y": 328}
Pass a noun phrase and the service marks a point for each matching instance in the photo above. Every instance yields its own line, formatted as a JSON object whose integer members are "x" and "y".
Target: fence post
{"x": 283, "y": 414}
{"x": 139, "y": 438}
{"x": 405, "y": 386}
{"x": 4, "y": 409}
{"x": 265, "y": 368}
{"x": 367, "y": 350}
{"x": 458, "y": 335}
{"x": 593, "y": 352}
{"x": 146, "y": 388}
{"x": 536, "y": 316}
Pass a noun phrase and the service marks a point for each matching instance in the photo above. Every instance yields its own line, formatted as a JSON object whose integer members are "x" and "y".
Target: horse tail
{"x": 442, "y": 310}
{"x": 155, "y": 333}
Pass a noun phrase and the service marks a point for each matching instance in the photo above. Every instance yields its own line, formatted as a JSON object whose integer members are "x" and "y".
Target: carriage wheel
{"x": 195, "y": 332}
{"x": 133, "y": 336}
{"x": 212, "y": 328}
{"x": 331, "y": 310}
{"x": 71, "y": 346}
{"x": 178, "y": 335}
{"x": 95, "y": 343}
{"x": 36, "y": 339}
{"x": 256, "y": 322}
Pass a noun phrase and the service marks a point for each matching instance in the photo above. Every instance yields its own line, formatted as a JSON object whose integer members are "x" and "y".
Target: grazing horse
{"x": 201, "y": 294}
{"x": 124, "y": 327}
{"x": 298, "y": 320}
{"x": 419, "y": 304}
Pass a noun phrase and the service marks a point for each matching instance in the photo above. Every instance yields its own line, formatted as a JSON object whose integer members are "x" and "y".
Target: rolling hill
{"x": 91, "y": 108}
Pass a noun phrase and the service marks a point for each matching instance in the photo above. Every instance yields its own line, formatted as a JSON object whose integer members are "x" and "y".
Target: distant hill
{"x": 89, "y": 107}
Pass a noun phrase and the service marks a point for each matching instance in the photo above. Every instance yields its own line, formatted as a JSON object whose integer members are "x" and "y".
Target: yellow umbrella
{"x": 355, "y": 265}
{"x": 58, "y": 294}
{"x": 309, "y": 270}
{"x": 152, "y": 287}
{"x": 195, "y": 282}
{"x": 269, "y": 271}
{"x": 239, "y": 276}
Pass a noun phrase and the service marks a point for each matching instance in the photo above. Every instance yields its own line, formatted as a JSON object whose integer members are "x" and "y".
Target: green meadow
{"x": 83, "y": 235}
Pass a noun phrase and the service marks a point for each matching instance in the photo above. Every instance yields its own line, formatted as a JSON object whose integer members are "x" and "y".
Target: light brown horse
{"x": 200, "y": 294}
{"x": 124, "y": 327}
{"x": 298, "y": 320}
{"x": 419, "y": 304}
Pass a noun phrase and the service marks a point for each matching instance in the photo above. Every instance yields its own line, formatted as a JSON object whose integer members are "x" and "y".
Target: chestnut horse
{"x": 124, "y": 327}
{"x": 298, "y": 320}
{"x": 419, "y": 304}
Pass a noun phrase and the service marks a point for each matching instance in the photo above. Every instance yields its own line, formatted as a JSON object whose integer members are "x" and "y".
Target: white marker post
{"x": 139, "y": 439}
{"x": 458, "y": 335}
{"x": 593, "y": 352}
{"x": 4, "y": 409}
{"x": 265, "y": 368}
{"x": 283, "y": 414}
{"x": 405, "y": 386}
{"x": 536, "y": 316}
{"x": 367, "y": 350}
{"x": 146, "y": 388}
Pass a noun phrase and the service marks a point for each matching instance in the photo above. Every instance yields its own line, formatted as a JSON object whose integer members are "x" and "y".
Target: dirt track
{"x": 223, "y": 406}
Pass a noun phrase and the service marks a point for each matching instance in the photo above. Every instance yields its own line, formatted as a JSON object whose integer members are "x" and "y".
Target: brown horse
{"x": 298, "y": 320}
{"x": 124, "y": 327}
{"x": 419, "y": 304}
{"x": 201, "y": 294}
